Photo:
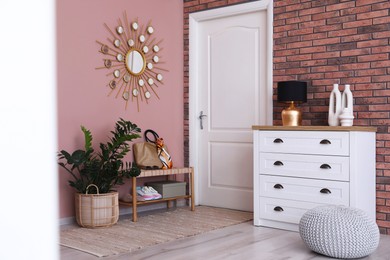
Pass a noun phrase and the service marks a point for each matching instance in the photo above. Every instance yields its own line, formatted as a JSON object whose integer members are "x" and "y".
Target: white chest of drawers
{"x": 299, "y": 168}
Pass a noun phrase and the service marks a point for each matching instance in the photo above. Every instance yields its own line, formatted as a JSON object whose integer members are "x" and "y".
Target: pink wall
{"x": 82, "y": 90}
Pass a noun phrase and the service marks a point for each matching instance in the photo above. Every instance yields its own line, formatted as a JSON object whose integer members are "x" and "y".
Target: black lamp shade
{"x": 289, "y": 91}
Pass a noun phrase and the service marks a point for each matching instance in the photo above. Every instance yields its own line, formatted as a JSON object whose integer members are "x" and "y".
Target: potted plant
{"x": 95, "y": 174}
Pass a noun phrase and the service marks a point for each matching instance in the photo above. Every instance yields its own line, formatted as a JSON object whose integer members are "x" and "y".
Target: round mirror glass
{"x": 117, "y": 43}
{"x": 119, "y": 30}
{"x": 135, "y": 62}
{"x": 141, "y": 82}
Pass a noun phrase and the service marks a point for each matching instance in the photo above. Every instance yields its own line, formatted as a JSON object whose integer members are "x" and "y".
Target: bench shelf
{"x": 161, "y": 172}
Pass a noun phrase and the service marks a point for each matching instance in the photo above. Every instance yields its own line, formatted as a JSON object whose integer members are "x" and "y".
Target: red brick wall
{"x": 325, "y": 42}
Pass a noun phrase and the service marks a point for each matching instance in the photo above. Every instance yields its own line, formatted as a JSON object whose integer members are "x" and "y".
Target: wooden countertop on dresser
{"x": 315, "y": 128}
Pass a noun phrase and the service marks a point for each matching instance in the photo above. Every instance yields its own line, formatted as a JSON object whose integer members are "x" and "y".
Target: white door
{"x": 233, "y": 93}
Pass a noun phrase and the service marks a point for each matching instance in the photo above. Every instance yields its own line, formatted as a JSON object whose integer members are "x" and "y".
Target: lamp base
{"x": 291, "y": 116}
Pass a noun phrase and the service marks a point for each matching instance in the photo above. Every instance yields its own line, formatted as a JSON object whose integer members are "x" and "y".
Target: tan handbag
{"x": 145, "y": 155}
{"x": 162, "y": 149}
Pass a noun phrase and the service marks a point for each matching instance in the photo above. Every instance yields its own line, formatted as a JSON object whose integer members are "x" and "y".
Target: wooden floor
{"x": 242, "y": 242}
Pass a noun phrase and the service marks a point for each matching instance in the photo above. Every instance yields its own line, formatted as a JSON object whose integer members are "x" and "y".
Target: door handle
{"x": 201, "y": 115}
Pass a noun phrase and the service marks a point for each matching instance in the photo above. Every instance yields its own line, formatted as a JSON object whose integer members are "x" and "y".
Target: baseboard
{"x": 67, "y": 221}
{"x": 128, "y": 210}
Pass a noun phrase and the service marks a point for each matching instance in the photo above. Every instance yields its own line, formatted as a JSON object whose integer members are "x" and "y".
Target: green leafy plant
{"x": 105, "y": 168}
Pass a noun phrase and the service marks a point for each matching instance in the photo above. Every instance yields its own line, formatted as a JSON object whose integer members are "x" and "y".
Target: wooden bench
{"x": 161, "y": 172}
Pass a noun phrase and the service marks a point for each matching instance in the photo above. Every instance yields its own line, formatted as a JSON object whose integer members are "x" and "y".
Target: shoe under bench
{"x": 161, "y": 172}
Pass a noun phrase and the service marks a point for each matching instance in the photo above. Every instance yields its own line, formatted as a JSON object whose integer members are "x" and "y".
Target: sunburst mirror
{"x": 132, "y": 55}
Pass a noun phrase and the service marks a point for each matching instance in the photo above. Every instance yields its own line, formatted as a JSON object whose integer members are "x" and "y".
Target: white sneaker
{"x": 148, "y": 192}
{"x": 154, "y": 192}
{"x": 146, "y": 196}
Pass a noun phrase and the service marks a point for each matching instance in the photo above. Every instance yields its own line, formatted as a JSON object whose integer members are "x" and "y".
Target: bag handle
{"x": 155, "y": 135}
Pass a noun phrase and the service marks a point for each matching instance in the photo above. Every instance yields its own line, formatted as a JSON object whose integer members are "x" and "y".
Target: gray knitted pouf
{"x": 339, "y": 231}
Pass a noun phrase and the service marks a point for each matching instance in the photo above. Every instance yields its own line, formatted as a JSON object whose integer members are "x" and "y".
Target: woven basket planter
{"x": 97, "y": 210}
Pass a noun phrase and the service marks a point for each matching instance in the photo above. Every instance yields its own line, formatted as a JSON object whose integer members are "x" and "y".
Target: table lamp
{"x": 292, "y": 92}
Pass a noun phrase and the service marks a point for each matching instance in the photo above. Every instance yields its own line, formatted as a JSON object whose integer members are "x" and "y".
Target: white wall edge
{"x": 28, "y": 109}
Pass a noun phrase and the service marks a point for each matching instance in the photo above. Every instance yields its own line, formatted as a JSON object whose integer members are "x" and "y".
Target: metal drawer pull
{"x": 278, "y": 163}
{"x": 278, "y": 186}
{"x": 325, "y": 141}
{"x": 278, "y": 141}
{"x": 325, "y": 166}
{"x": 277, "y": 208}
{"x": 325, "y": 191}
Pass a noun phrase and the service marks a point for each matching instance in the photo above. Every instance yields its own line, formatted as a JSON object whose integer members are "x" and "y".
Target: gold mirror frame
{"x": 140, "y": 85}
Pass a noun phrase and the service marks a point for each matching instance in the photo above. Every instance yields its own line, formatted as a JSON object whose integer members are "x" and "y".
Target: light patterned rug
{"x": 127, "y": 236}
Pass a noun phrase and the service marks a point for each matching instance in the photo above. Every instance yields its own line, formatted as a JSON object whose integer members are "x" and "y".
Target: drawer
{"x": 282, "y": 210}
{"x": 318, "y": 191}
{"x": 307, "y": 166}
{"x": 305, "y": 142}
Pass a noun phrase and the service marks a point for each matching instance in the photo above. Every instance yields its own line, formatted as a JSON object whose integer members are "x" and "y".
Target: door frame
{"x": 194, "y": 20}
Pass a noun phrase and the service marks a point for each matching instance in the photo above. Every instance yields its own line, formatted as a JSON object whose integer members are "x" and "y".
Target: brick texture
{"x": 327, "y": 42}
